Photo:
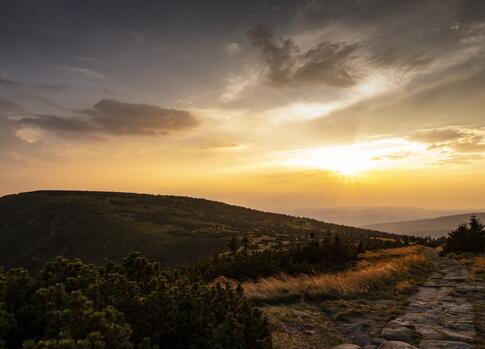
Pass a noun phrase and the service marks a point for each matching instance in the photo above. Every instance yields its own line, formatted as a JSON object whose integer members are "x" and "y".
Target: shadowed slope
{"x": 95, "y": 226}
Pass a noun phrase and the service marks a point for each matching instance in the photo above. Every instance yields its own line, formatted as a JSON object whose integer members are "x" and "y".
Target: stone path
{"x": 439, "y": 315}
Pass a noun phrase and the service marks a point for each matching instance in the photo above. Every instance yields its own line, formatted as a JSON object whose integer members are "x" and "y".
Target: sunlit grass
{"x": 363, "y": 279}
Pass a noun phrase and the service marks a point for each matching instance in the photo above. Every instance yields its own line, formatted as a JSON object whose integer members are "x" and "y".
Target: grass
{"x": 368, "y": 276}
{"x": 478, "y": 268}
{"x": 325, "y": 310}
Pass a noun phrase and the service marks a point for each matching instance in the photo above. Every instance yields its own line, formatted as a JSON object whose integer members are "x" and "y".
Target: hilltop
{"x": 97, "y": 226}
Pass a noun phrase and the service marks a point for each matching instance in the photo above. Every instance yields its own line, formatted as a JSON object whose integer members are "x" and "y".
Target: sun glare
{"x": 355, "y": 159}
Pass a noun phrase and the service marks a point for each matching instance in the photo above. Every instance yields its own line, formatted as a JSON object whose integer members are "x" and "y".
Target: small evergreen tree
{"x": 467, "y": 237}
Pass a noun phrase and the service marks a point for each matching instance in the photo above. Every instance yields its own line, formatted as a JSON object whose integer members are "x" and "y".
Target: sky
{"x": 269, "y": 104}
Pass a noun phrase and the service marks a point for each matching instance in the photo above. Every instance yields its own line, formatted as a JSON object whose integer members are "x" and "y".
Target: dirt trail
{"x": 439, "y": 315}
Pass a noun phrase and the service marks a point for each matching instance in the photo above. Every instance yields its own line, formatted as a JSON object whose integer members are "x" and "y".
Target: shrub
{"x": 309, "y": 258}
{"x": 72, "y": 305}
{"x": 467, "y": 237}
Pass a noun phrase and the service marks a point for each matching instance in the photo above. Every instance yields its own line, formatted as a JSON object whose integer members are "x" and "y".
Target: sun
{"x": 344, "y": 161}
{"x": 355, "y": 159}
{"x": 348, "y": 161}
{"x": 351, "y": 169}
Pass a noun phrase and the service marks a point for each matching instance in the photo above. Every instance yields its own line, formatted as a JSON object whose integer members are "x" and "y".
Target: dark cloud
{"x": 49, "y": 87}
{"x": 327, "y": 63}
{"x": 116, "y": 118}
{"x": 467, "y": 142}
{"x": 58, "y": 124}
{"x": 8, "y": 106}
{"x": 438, "y": 135}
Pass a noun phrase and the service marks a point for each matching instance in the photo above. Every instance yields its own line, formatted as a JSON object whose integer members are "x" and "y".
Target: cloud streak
{"x": 49, "y": 87}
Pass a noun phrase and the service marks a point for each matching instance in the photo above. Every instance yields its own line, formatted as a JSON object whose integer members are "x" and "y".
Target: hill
{"x": 434, "y": 227}
{"x": 95, "y": 226}
{"x": 364, "y": 216}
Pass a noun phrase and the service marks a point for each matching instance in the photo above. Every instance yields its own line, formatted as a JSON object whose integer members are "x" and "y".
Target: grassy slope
{"x": 351, "y": 306}
{"x": 95, "y": 226}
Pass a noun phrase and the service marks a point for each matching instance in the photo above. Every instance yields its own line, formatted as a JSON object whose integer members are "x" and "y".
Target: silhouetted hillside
{"x": 434, "y": 227}
{"x": 95, "y": 226}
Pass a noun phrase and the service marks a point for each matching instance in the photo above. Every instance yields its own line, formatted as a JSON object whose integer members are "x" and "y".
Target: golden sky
{"x": 274, "y": 105}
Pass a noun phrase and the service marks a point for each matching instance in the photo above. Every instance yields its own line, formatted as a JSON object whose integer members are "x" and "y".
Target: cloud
{"x": 328, "y": 63}
{"x": 85, "y": 71}
{"x": 454, "y": 144}
{"x": 12, "y": 148}
{"x": 8, "y": 106}
{"x": 113, "y": 117}
{"x": 220, "y": 146}
{"x": 438, "y": 135}
{"x": 43, "y": 86}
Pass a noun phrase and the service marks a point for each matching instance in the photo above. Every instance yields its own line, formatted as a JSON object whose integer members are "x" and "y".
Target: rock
{"x": 429, "y": 332}
{"x": 470, "y": 288}
{"x": 455, "y": 278}
{"x": 347, "y": 346}
{"x": 430, "y": 344}
{"x": 370, "y": 346}
{"x": 397, "y": 322}
{"x": 423, "y": 318}
{"x": 377, "y": 340}
{"x": 458, "y": 335}
{"x": 400, "y": 333}
{"x": 396, "y": 345}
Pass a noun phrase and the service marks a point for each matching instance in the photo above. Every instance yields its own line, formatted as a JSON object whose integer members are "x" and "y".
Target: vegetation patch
{"x": 72, "y": 305}
{"x": 347, "y": 307}
{"x": 364, "y": 279}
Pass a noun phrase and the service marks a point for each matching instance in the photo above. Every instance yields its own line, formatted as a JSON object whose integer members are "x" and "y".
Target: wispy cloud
{"x": 85, "y": 71}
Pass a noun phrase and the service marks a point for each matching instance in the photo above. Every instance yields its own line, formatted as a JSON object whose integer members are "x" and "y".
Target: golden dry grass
{"x": 478, "y": 267}
{"x": 479, "y": 263}
{"x": 366, "y": 277}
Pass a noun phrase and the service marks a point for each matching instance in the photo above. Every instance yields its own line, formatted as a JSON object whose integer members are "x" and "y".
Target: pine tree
{"x": 467, "y": 237}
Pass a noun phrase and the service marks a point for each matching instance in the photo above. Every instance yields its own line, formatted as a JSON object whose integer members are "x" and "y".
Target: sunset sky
{"x": 269, "y": 104}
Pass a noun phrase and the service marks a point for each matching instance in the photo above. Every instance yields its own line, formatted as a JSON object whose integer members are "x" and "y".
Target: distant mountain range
{"x": 434, "y": 227}
{"x": 364, "y": 216}
{"x": 96, "y": 226}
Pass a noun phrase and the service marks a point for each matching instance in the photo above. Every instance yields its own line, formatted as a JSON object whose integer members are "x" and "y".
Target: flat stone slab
{"x": 470, "y": 288}
{"x": 399, "y": 333}
{"x": 466, "y": 336}
{"x": 430, "y": 344}
{"x": 396, "y": 345}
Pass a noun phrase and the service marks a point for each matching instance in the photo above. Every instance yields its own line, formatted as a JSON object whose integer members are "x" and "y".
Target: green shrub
{"x": 72, "y": 305}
